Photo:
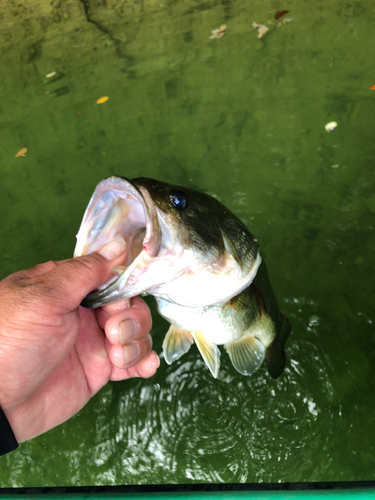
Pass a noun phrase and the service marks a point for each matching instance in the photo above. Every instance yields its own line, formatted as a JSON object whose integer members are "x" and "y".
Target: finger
{"x": 105, "y": 312}
{"x": 127, "y": 325}
{"x": 130, "y": 354}
{"x": 116, "y": 307}
{"x": 76, "y": 278}
{"x": 145, "y": 369}
{"x": 91, "y": 351}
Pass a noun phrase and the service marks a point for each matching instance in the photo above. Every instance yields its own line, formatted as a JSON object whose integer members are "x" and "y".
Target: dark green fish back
{"x": 206, "y": 221}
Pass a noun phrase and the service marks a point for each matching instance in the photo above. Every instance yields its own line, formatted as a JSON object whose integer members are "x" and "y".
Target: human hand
{"x": 55, "y": 354}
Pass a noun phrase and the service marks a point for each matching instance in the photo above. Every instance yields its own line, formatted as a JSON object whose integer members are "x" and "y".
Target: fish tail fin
{"x": 209, "y": 351}
{"x": 176, "y": 343}
{"x": 275, "y": 354}
{"x": 246, "y": 354}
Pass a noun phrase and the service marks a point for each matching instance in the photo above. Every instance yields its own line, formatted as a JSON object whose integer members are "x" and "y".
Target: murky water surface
{"x": 243, "y": 119}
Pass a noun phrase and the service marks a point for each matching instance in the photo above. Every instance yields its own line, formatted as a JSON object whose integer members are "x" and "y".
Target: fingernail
{"x": 155, "y": 359}
{"x": 131, "y": 352}
{"x": 127, "y": 330}
{"x": 113, "y": 249}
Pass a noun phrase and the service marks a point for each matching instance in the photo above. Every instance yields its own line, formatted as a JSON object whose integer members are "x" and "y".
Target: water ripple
{"x": 183, "y": 426}
{"x": 232, "y": 429}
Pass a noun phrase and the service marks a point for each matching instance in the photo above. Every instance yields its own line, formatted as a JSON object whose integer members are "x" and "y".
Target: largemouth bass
{"x": 199, "y": 261}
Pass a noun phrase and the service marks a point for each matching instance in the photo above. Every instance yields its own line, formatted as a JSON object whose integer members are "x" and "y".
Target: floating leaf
{"x": 330, "y": 126}
{"x": 219, "y": 33}
{"x": 262, "y": 29}
{"x": 102, "y": 99}
{"x": 281, "y": 13}
{"x": 21, "y": 152}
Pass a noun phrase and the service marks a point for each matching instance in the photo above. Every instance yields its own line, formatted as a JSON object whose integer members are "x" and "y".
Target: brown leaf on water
{"x": 281, "y": 13}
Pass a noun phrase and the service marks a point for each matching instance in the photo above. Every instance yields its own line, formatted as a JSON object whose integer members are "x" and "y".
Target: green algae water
{"x": 241, "y": 118}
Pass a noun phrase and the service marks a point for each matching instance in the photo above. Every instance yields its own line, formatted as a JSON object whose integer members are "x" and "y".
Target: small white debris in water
{"x": 284, "y": 21}
{"x": 262, "y": 29}
{"x": 156, "y": 387}
{"x": 219, "y": 33}
{"x": 330, "y": 126}
{"x": 51, "y": 74}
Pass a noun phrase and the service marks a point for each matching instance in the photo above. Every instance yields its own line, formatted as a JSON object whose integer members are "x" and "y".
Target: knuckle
{"x": 142, "y": 313}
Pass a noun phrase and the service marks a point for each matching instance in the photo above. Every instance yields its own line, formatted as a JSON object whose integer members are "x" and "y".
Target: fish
{"x": 200, "y": 263}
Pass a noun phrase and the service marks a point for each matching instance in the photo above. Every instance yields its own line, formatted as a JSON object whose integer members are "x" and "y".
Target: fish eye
{"x": 179, "y": 199}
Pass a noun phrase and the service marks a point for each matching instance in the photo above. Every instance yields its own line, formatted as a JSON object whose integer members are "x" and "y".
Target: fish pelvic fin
{"x": 176, "y": 343}
{"x": 246, "y": 354}
{"x": 209, "y": 351}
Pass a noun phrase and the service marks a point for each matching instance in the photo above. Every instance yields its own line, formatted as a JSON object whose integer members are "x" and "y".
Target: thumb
{"x": 73, "y": 279}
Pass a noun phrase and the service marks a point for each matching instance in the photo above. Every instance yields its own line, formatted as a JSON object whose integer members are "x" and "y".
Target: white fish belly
{"x": 207, "y": 320}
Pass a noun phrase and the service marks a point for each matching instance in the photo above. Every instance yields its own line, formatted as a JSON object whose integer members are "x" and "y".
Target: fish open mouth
{"x": 119, "y": 209}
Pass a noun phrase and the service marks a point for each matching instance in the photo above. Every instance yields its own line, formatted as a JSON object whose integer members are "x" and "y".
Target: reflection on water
{"x": 243, "y": 119}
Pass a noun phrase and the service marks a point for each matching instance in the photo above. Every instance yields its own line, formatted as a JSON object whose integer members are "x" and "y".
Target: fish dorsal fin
{"x": 246, "y": 354}
{"x": 209, "y": 351}
{"x": 176, "y": 343}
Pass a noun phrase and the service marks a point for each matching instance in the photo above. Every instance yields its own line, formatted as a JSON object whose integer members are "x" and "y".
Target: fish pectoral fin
{"x": 209, "y": 351}
{"x": 246, "y": 354}
{"x": 176, "y": 343}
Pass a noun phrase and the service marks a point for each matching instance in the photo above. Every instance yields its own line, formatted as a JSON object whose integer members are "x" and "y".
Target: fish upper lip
{"x": 101, "y": 216}
{"x": 153, "y": 236}
{"x": 90, "y": 229}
